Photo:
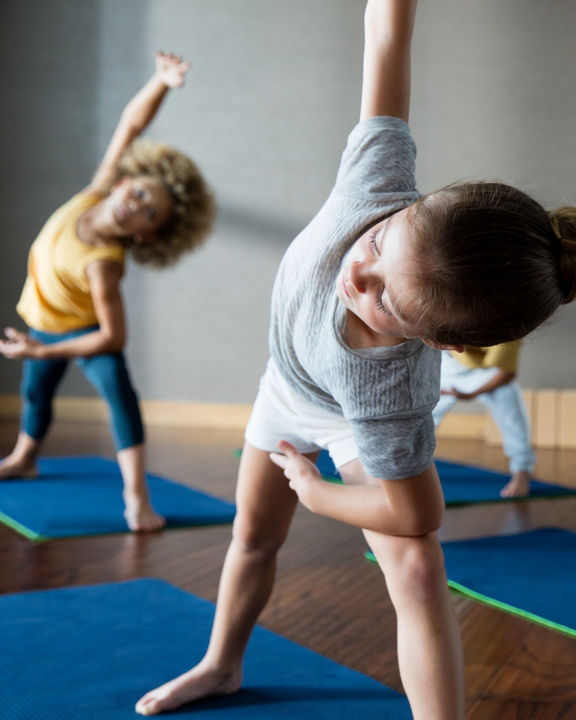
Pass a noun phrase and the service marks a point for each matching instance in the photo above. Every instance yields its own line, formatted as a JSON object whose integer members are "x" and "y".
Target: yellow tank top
{"x": 56, "y": 295}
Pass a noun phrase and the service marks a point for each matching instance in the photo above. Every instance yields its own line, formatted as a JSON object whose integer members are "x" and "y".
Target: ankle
{"x": 135, "y": 497}
{"x": 226, "y": 673}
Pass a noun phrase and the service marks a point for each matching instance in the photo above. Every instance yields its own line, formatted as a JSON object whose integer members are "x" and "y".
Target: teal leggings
{"x": 107, "y": 373}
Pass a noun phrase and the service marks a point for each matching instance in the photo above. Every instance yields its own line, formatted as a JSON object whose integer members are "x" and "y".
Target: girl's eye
{"x": 380, "y": 305}
{"x": 138, "y": 193}
{"x": 373, "y": 244}
{"x": 151, "y": 214}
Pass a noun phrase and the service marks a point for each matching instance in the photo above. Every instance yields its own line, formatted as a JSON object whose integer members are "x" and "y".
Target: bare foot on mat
{"x": 519, "y": 485}
{"x": 200, "y": 682}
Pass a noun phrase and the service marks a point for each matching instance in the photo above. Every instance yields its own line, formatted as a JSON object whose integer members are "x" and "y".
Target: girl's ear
{"x": 441, "y": 346}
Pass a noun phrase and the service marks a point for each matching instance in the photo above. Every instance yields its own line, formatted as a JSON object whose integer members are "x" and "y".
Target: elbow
{"x": 431, "y": 515}
{"x": 427, "y": 525}
{"x": 427, "y": 520}
{"x": 113, "y": 343}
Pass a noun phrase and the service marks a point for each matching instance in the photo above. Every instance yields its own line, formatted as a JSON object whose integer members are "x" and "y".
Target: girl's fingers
{"x": 278, "y": 459}
{"x": 12, "y": 333}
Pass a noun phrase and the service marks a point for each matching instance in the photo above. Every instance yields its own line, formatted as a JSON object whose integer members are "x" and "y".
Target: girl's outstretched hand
{"x": 19, "y": 345}
{"x": 171, "y": 69}
{"x": 301, "y": 472}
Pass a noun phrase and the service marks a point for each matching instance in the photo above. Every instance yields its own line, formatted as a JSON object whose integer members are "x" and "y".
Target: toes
{"x": 144, "y": 706}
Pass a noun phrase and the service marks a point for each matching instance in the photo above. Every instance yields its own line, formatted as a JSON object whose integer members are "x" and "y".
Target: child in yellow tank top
{"x": 56, "y": 296}
{"x": 146, "y": 199}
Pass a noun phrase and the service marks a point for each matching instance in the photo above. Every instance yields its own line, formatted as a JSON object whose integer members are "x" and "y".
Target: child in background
{"x": 487, "y": 374}
{"x": 363, "y": 299}
{"x": 146, "y": 199}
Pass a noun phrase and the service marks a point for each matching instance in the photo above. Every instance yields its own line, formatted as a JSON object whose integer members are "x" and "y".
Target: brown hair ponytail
{"x": 491, "y": 267}
{"x": 563, "y": 221}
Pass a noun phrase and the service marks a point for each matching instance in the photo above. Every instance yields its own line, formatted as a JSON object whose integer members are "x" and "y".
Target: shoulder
{"x": 88, "y": 197}
{"x": 104, "y": 271}
{"x": 379, "y": 161}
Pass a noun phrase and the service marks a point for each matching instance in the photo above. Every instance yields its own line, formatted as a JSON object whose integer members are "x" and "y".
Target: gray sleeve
{"x": 379, "y": 161}
{"x": 395, "y": 448}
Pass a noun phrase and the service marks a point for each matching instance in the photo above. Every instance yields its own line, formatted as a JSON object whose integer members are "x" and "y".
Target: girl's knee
{"x": 415, "y": 568}
{"x": 252, "y": 537}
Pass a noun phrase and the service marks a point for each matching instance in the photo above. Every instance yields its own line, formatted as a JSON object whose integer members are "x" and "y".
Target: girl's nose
{"x": 358, "y": 276}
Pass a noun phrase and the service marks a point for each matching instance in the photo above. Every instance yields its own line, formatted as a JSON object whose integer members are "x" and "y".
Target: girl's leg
{"x": 21, "y": 463}
{"x": 265, "y": 506}
{"x": 429, "y": 643}
{"x": 40, "y": 379}
{"x": 109, "y": 375}
{"x": 139, "y": 513}
{"x": 509, "y": 412}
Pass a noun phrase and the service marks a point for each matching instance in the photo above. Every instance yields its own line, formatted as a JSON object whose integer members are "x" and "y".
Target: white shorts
{"x": 280, "y": 413}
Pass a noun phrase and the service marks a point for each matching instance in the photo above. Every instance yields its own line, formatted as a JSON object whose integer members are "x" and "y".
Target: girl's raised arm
{"x": 170, "y": 73}
{"x": 388, "y": 26}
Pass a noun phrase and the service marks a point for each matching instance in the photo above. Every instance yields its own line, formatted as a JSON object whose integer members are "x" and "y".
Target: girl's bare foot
{"x": 15, "y": 467}
{"x": 141, "y": 516}
{"x": 518, "y": 486}
{"x": 200, "y": 682}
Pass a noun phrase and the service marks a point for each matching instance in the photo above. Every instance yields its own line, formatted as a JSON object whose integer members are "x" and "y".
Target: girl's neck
{"x": 93, "y": 228}
{"x": 360, "y": 337}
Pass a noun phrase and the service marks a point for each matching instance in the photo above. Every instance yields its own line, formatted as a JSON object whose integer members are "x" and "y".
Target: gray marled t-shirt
{"x": 386, "y": 393}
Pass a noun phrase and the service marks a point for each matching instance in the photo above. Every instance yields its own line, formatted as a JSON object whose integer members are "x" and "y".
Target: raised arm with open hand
{"x": 170, "y": 73}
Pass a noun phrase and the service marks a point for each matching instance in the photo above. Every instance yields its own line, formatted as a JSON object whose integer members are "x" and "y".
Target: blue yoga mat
{"x": 92, "y": 652}
{"x": 75, "y": 496}
{"x": 467, "y": 484}
{"x": 530, "y": 574}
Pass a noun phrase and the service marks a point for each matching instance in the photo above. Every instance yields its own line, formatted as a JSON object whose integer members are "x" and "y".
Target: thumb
{"x": 287, "y": 448}
{"x": 11, "y": 333}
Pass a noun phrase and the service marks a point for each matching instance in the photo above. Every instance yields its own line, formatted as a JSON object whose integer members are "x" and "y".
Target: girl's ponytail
{"x": 563, "y": 221}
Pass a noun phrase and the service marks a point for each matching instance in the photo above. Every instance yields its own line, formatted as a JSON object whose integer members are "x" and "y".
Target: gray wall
{"x": 274, "y": 90}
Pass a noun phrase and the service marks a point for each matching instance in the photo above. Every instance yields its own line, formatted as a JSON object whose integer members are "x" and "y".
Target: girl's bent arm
{"x": 503, "y": 377}
{"x": 104, "y": 277}
{"x": 409, "y": 507}
{"x": 137, "y": 115}
{"x": 388, "y": 27}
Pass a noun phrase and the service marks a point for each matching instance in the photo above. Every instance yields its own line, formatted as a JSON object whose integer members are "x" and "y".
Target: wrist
{"x": 315, "y": 489}
{"x": 39, "y": 352}
{"x": 158, "y": 80}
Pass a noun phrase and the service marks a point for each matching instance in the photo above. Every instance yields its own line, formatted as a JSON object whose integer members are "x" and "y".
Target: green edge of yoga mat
{"x": 463, "y": 590}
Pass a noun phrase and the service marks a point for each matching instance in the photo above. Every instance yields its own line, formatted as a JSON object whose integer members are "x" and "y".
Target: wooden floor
{"x": 327, "y": 597}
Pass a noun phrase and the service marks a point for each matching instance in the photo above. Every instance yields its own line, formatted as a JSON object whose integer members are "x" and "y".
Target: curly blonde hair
{"x": 193, "y": 206}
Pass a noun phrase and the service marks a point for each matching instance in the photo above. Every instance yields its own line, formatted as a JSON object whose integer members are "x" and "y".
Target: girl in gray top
{"x": 365, "y": 296}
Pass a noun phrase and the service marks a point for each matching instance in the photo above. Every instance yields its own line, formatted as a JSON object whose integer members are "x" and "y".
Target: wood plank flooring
{"x": 326, "y": 597}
